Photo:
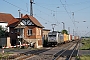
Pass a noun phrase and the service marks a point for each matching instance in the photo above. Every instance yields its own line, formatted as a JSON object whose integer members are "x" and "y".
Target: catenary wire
{"x": 24, "y": 10}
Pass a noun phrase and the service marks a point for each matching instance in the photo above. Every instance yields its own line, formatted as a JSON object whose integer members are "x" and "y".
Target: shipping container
{"x": 73, "y": 37}
{"x": 61, "y": 38}
{"x": 65, "y": 38}
{"x": 70, "y": 37}
{"x": 77, "y": 37}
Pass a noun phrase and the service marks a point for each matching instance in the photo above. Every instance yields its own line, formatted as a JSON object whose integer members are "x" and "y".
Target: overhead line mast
{"x": 31, "y": 8}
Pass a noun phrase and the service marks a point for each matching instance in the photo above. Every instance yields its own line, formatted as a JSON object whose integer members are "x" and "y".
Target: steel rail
{"x": 27, "y": 57}
{"x": 48, "y": 56}
{"x": 55, "y": 58}
{"x": 72, "y": 52}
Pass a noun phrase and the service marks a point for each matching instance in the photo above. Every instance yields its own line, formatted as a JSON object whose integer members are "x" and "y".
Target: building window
{"x": 37, "y": 32}
{"x": 43, "y": 37}
{"x": 40, "y": 32}
{"x": 30, "y": 32}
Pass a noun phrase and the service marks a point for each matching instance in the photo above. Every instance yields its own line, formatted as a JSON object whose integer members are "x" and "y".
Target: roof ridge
{"x": 4, "y": 13}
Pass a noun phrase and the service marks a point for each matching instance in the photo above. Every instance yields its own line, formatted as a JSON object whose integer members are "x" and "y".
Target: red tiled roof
{"x": 13, "y": 22}
{"x": 4, "y": 17}
{"x": 34, "y": 20}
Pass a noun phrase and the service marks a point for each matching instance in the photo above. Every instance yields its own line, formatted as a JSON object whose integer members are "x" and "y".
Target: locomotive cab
{"x": 53, "y": 38}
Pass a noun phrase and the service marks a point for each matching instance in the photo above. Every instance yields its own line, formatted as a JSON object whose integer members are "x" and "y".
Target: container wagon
{"x": 77, "y": 37}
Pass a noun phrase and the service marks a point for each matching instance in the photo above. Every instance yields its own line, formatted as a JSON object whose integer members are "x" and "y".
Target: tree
{"x": 2, "y": 32}
{"x": 64, "y": 32}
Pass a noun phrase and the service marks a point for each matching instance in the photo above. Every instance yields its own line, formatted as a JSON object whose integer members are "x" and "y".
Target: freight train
{"x": 55, "y": 38}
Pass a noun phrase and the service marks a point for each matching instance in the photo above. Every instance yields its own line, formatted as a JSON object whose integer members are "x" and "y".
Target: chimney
{"x": 21, "y": 15}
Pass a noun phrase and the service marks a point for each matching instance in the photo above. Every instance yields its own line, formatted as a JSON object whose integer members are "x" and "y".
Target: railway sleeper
{"x": 55, "y": 55}
{"x": 46, "y": 56}
{"x": 67, "y": 55}
{"x": 24, "y": 57}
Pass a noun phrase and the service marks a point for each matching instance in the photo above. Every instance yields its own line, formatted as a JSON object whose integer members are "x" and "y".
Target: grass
{"x": 86, "y": 45}
{"x": 85, "y": 57}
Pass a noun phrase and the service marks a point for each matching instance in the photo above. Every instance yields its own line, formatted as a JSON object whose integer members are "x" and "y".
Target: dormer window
{"x": 29, "y": 32}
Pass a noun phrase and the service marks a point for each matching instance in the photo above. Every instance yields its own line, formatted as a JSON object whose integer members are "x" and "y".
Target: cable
{"x": 82, "y": 9}
{"x": 43, "y": 12}
{"x": 46, "y": 13}
{"x": 45, "y": 8}
{"x": 67, "y": 12}
{"x": 69, "y": 16}
{"x": 42, "y": 18}
{"x": 24, "y": 10}
{"x": 14, "y": 5}
{"x": 46, "y": 4}
{"x": 84, "y": 2}
{"x": 87, "y": 33}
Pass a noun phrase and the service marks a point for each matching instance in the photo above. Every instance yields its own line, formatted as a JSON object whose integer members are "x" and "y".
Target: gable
{"x": 21, "y": 23}
{"x": 34, "y": 20}
{"x": 27, "y": 21}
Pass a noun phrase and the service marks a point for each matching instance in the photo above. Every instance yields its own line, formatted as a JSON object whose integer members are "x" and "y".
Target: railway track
{"x": 55, "y": 53}
{"x": 24, "y": 55}
{"x": 68, "y": 54}
{"x": 52, "y": 53}
{"x": 28, "y": 54}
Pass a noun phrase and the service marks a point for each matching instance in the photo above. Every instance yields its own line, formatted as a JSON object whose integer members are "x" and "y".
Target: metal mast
{"x": 31, "y": 9}
{"x": 68, "y": 30}
{"x": 63, "y": 25}
{"x": 73, "y": 32}
{"x": 53, "y": 26}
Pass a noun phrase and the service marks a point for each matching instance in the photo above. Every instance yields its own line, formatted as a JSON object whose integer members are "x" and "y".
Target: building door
{"x": 13, "y": 42}
{"x": 21, "y": 33}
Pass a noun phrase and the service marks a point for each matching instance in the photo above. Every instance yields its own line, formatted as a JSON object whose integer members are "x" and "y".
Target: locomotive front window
{"x": 52, "y": 35}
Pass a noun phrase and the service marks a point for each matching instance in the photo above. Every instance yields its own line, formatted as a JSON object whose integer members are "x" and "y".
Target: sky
{"x": 72, "y": 12}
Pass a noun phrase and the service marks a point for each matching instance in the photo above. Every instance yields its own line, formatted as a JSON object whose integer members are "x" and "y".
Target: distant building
{"x": 4, "y": 20}
{"x": 45, "y": 33}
